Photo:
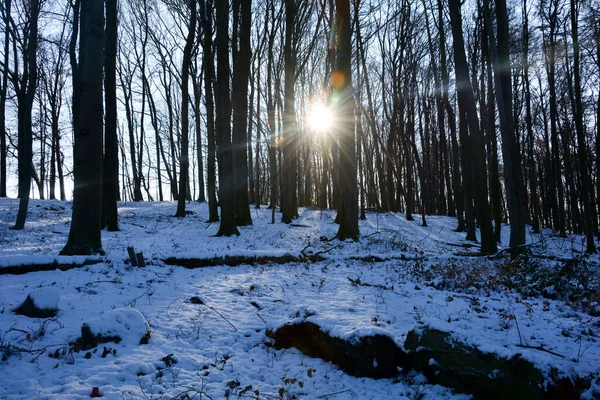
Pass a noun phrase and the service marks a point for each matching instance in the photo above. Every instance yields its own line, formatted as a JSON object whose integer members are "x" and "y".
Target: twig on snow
{"x": 540, "y": 348}
{"x": 324, "y": 396}
{"x": 221, "y": 315}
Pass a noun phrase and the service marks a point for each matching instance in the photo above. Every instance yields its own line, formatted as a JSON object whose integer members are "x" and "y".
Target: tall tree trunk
{"x": 288, "y": 207}
{"x": 241, "y": 68}
{"x": 25, "y": 98}
{"x": 359, "y": 126}
{"x": 456, "y": 176}
{"x": 513, "y": 176}
{"x": 110, "y": 184}
{"x": 251, "y": 176}
{"x": 208, "y": 64}
{"x": 223, "y": 117}
{"x": 467, "y": 172}
{"x": 271, "y": 117}
{"x": 490, "y": 129}
{"x": 157, "y": 139}
{"x": 466, "y": 98}
{"x": 184, "y": 160}
{"x": 550, "y": 51}
{"x": 3, "y": 89}
{"x": 84, "y": 236}
{"x": 197, "y": 85}
{"x": 348, "y": 212}
{"x": 581, "y": 143}
{"x": 257, "y": 171}
{"x": 445, "y": 158}
{"x": 533, "y": 181}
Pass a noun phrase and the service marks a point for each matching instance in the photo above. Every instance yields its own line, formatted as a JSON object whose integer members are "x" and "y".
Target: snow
{"x": 127, "y": 323}
{"x": 45, "y": 298}
{"x": 423, "y": 277}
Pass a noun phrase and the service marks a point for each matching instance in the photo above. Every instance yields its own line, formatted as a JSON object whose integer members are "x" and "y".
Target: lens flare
{"x": 320, "y": 118}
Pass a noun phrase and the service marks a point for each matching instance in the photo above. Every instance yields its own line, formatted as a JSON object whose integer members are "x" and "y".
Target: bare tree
{"x": 5, "y": 9}
{"x": 184, "y": 161}
{"x": 223, "y": 117}
{"x": 25, "y": 85}
{"x": 110, "y": 171}
{"x": 348, "y": 213}
{"x": 85, "y": 233}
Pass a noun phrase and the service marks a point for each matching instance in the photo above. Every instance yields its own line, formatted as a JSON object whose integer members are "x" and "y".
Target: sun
{"x": 320, "y": 118}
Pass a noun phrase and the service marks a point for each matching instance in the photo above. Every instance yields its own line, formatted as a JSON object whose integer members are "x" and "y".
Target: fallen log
{"x": 49, "y": 266}
{"x": 373, "y": 356}
{"x": 234, "y": 261}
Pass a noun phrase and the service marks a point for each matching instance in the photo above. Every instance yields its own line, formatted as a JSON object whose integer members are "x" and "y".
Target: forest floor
{"x": 398, "y": 276}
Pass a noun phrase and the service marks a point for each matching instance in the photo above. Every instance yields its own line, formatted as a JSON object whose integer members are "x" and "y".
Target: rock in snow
{"x": 40, "y": 303}
{"x": 126, "y": 325}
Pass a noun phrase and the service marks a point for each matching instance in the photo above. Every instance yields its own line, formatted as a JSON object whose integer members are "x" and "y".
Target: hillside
{"x": 209, "y": 326}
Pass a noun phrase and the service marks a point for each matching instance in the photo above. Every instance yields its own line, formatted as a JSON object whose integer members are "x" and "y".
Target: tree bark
{"x": 288, "y": 206}
{"x": 84, "y": 236}
{"x": 241, "y": 72}
{"x": 456, "y": 176}
{"x": 110, "y": 184}
{"x": 348, "y": 212}
{"x": 533, "y": 181}
{"x": 208, "y": 64}
{"x": 223, "y": 117}
{"x": 513, "y": 177}
{"x": 581, "y": 143}
{"x": 184, "y": 160}
{"x": 25, "y": 98}
{"x": 466, "y": 98}
{"x": 6, "y": 9}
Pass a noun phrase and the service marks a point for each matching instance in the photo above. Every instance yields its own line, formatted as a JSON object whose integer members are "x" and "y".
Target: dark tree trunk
{"x": 288, "y": 206}
{"x": 209, "y": 73}
{"x": 533, "y": 181}
{"x": 513, "y": 176}
{"x": 159, "y": 151}
{"x": 223, "y": 118}
{"x": 550, "y": 51}
{"x": 25, "y": 98}
{"x": 488, "y": 114}
{"x": 84, "y": 236}
{"x": 271, "y": 119}
{"x": 348, "y": 212}
{"x": 241, "y": 72}
{"x": 184, "y": 160}
{"x": 445, "y": 158}
{"x": 251, "y": 177}
{"x": 467, "y": 100}
{"x": 3, "y": 90}
{"x": 110, "y": 172}
{"x": 257, "y": 171}
{"x": 456, "y": 175}
{"x": 581, "y": 144}
{"x": 467, "y": 173}
{"x": 197, "y": 85}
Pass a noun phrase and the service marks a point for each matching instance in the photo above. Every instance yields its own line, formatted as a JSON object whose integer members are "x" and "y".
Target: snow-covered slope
{"x": 398, "y": 275}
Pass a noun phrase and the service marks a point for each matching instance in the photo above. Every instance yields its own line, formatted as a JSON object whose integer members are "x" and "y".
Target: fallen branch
{"x": 221, "y": 315}
{"x": 377, "y": 259}
{"x": 27, "y": 268}
{"x": 533, "y": 255}
{"x": 540, "y": 348}
{"x": 467, "y": 254}
{"x": 324, "y": 396}
{"x": 132, "y": 302}
{"x": 234, "y": 261}
{"x": 357, "y": 282}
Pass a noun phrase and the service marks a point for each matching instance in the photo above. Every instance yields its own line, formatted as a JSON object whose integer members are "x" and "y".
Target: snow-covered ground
{"x": 398, "y": 275}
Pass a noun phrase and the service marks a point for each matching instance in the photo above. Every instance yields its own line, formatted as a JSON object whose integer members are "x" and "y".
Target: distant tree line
{"x": 488, "y": 110}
